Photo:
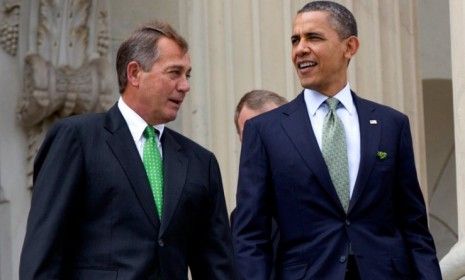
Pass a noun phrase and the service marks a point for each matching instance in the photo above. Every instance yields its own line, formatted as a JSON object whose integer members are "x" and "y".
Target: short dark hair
{"x": 142, "y": 47}
{"x": 340, "y": 17}
{"x": 256, "y": 100}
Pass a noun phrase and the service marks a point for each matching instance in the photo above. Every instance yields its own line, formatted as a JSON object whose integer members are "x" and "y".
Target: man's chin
{"x": 171, "y": 116}
{"x": 307, "y": 82}
{"x": 307, "y": 85}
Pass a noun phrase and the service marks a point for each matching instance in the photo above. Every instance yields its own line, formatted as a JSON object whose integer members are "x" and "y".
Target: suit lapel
{"x": 175, "y": 172}
{"x": 298, "y": 127}
{"x": 122, "y": 145}
{"x": 370, "y": 133}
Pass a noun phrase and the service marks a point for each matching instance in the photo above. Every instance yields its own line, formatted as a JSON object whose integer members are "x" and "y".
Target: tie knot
{"x": 332, "y": 103}
{"x": 149, "y": 132}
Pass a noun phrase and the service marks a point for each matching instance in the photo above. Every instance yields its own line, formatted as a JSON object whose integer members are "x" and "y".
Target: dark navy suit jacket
{"x": 93, "y": 215}
{"x": 283, "y": 175}
{"x": 274, "y": 241}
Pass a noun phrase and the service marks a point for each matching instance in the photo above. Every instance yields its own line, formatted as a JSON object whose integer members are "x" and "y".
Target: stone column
{"x": 236, "y": 46}
{"x": 385, "y": 68}
{"x": 14, "y": 196}
{"x": 453, "y": 264}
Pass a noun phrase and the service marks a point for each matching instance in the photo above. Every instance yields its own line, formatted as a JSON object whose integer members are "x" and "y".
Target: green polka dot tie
{"x": 335, "y": 152}
{"x": 154, "y": 167}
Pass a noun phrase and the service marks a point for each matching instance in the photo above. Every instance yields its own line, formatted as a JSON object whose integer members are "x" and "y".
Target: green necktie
{"x": 154, "y": 166}
{"x": 335, "y": 152}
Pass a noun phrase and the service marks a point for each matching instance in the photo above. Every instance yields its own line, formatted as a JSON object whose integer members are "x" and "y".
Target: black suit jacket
{"x": 93, "y": 215}
{"x": 283, "y": 175}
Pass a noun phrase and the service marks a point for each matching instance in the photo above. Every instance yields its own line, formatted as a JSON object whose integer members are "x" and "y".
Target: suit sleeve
{"x": 252, "y": 221}
{"x": 57, "y": 172}
{"x": 215, "y": 255}
{"x": 412, "y": 211}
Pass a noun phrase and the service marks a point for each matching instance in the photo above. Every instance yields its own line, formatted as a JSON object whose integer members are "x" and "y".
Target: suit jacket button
{"x": 342, "y": 259}
{"x": 161, "y": 243}
{"x": 347, "y": 223}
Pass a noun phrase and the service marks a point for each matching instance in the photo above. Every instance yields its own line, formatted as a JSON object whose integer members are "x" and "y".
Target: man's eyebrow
{"x": 309, "y": 34}
{"x": 176, "y": 66}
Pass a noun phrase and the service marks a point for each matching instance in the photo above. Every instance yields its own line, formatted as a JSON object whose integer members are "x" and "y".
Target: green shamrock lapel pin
{"x": 381, "y": 155}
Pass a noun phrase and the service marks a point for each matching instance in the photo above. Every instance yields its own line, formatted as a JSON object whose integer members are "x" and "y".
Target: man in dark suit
{"x": 252, "y": 104}
{"x": 115, "y": 199}
{"x": 335, "y": 171}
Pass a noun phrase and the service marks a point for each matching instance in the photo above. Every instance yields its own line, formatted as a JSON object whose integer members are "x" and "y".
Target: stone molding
{"x": 452, "y": 265}
{"x": 62, "y": 91}
{"x": 9, "y": 27}
{"x": 66, "y": 69}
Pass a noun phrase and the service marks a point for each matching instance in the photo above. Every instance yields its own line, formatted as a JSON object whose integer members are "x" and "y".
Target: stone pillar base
{"x": 453, "y": 264}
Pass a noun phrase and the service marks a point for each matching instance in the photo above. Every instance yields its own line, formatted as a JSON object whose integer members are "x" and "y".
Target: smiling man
{"x": 118, "y": 195}
{"x": 335, "y": 171}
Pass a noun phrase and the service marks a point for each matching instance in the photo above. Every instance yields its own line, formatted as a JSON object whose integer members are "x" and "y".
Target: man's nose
{"x": 184, "y": 85}
{"x": 302, "y": 48}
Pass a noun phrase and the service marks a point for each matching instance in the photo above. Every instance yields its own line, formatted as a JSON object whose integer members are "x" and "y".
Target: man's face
{"x": 319, "y": 55}
{"x": 162, "y": 89}
{"x": 247, "y": 113}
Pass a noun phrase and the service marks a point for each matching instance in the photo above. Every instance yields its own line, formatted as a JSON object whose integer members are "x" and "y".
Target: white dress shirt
{"x": 137, "y": 126}
{"x": 317, "y": 110}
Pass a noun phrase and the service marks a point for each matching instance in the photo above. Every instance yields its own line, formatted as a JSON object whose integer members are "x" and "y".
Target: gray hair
{"x": 256, "y": 100}
{"x": 141, "y": 47}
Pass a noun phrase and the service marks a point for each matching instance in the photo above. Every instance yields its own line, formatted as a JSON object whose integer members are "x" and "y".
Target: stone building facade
{"x": 57, "y": 57}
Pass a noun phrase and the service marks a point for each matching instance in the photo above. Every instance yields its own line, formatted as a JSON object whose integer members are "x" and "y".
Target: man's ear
{"x": 352, "y": 45}
{"x": 133, "y": 71}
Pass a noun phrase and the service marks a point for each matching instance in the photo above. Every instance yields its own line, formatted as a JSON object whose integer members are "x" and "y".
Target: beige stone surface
{"x": 453, "y": 264}
{"x": 441, "y": 175}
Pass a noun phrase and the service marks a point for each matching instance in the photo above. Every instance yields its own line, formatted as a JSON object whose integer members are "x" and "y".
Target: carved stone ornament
{"x": 9, "y": 27}
{"x": 62, "y": 91}
{"x": 67, "y": 70}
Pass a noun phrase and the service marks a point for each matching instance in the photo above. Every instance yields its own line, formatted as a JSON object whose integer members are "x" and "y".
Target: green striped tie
{"x": 154, "y": 166}
{"x": 335, "y": 152}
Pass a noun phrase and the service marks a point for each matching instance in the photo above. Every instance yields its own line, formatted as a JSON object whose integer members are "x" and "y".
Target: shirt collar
{"x": 314, "y": 99}
{"x": 135, "y": 123}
